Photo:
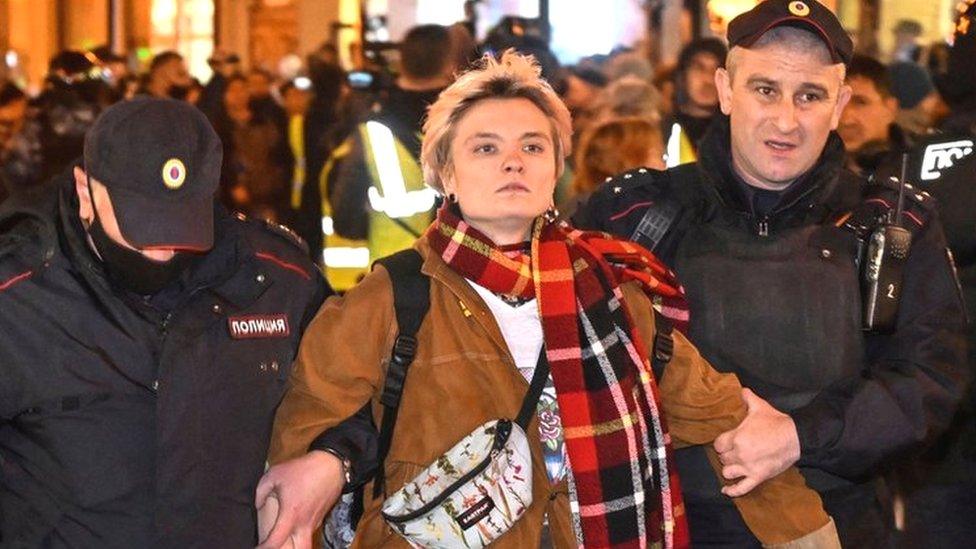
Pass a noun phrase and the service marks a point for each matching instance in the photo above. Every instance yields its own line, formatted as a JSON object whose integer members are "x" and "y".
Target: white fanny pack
{"x": 477, "y": 490}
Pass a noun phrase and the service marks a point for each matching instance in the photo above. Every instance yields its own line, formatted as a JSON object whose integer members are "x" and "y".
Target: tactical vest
{"x": 782, "y": 311}
{"x": 400, "y": 205}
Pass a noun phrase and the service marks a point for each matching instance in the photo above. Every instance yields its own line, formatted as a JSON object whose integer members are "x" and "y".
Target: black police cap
{"x": 160, "y": 162}
{"x": 747, "y": 28}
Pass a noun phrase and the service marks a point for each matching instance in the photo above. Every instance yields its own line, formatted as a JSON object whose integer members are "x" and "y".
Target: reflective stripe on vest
{"x": 679, "y": 149}
{"x": 394, "y": 200}
{"x": 345, "y": 260}
{"x": 401, "y": 205}
{"x": 296, "y": 141}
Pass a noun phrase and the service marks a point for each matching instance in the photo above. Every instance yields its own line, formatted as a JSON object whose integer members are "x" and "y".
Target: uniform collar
{"x": 813, "y": 188}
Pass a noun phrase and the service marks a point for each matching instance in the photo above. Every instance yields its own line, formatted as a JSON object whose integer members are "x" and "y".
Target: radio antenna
{"x": 901, "y": 190}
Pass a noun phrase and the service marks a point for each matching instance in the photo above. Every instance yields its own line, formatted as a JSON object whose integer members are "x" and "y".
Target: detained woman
{"x": 512, "y": 292}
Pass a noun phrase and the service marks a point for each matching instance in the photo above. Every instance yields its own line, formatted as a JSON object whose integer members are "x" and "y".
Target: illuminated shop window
{"x": 186, "y": 26}
{"x": 583, "y": 27}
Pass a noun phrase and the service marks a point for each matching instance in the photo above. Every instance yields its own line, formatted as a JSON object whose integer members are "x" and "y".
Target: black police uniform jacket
{"x": 775, "y": 299}
{"x": 944, "y": 164}
{"x": 126, "y": 425}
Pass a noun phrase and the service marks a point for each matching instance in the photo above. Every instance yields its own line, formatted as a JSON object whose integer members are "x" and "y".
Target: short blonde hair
{"x": 513, "y": 76}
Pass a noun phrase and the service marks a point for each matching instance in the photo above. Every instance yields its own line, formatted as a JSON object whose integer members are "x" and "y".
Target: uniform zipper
{"x": 762, "y": 227}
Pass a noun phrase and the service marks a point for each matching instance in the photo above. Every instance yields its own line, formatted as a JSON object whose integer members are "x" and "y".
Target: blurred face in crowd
{"x": 700, "y": 85}
{"x": 503, "y": 167}
{"x": 236, "y": 95}
{"x": 174, "y": 73}
{"x": 296, "y": 101}
{"x": 783, "y": 99}
{"x": 867, "y": 116}
{"x": 580, "y": 94}
{"x": 258, "y": 84}
{"x": 12, "y": 116}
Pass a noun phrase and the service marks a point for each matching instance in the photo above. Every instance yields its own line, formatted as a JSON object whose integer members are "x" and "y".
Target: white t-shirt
{"x": 522, "y": 329}
{"x": 520, "y": 326}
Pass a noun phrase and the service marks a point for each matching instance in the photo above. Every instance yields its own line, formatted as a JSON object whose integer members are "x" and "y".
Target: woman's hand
{"x": 293, "y": 497}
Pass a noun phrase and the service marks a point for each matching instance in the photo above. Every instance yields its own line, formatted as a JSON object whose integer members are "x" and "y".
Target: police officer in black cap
{"x": 145, "y": 341}
{"x": 766, "y": 232}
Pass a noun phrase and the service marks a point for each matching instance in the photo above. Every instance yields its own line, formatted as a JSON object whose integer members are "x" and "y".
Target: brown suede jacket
{"x": 464, "y": 375}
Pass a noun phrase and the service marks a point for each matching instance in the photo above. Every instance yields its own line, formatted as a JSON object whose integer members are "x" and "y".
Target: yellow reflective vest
{"x": 400, "y": 208}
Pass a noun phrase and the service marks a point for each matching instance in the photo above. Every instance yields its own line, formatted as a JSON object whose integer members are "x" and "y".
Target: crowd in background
{"x": 285, "y": 139}
{"x": 278, "y": 134}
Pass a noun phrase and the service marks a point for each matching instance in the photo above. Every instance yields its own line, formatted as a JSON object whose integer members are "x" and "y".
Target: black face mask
{"x": 180, "y": 93}
{"x": 132, "y": 270}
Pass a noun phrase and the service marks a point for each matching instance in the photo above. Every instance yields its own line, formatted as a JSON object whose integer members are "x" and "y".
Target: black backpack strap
{"x": 536, "y": 386}
{"x": 663, "y": 348}
{"x": 411, "y": 300}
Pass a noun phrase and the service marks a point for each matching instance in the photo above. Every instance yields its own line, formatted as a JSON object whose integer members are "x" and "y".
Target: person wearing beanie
{"x": 696, "y": 98}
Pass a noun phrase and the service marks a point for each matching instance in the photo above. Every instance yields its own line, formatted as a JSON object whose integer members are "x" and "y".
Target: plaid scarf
{"x": 623, "y": 487}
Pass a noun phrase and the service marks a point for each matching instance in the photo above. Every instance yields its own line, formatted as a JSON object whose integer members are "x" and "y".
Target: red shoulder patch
{"x": 6, "y": 284}
{"x": 284, "y": 264}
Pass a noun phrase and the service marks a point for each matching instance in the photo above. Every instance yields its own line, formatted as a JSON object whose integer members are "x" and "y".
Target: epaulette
{"x": 638, "y": 177}
{"x": 913, "y": 194}
{"x": 277, "y": 229}
{"x": 879, "y": 203}
{"x": 14, "y": 269}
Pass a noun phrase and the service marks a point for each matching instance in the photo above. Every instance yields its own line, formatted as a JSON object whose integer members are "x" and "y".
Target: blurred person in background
{"x": 168, "y": 76}
{"x": 907, "y": 47}
{"x": 695, "y": 98}
{"x": 73, "y": 96}
{"x": 663, "y": 82}
{"x": 464, "y": 45}
{"x": 867, "y": 125}
{"x": 115, "y": 71}
{"x": 583, "y": 84}
{"x": 260, "y": 84}
{"x": 373, "y": 184}
{"x": 610, "y": 147}
{"x": 257, "y": 162}
{"x": 939, "y": 484}
{"x": 195, "y": 92}
{"x": 224, "y": 65}
{"x": 296, "y": 97}
{"x": 322, "y": 133}
{"x": 919, "y": 105}
{"x": 13, "y": 112}
{"x": 20, "y": 145}
{"x": 628, "y": 96}
{"x": 628, "y": 63}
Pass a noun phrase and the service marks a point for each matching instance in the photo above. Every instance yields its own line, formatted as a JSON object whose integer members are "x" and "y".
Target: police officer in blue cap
{"x": 145, "y": 341}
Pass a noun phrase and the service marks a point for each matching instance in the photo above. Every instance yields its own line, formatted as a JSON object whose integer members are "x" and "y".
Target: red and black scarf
{"x": 624, "y": 487}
